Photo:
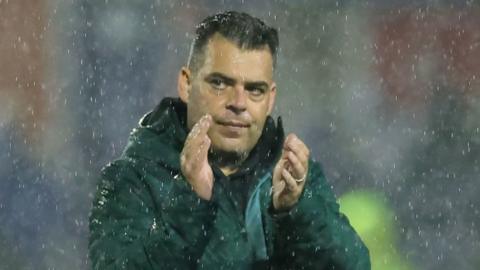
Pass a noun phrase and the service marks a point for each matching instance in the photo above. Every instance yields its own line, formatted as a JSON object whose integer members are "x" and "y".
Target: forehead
{"x": 222, "y": 55}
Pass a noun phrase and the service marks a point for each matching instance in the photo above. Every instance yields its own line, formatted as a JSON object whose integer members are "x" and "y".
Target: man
{"x": 209, "y": 181}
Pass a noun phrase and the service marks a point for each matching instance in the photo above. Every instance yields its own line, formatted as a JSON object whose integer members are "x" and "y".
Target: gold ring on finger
{"x": 301, "y": 179}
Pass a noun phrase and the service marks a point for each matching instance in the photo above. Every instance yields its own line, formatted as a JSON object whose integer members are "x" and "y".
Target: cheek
{"x": 199, "y": 99}
{"x": 196, "y": 107}
{"x": 259, "y": 113}
{"x": 259, "y": 116}
{"x": 200, "y": 93}
{"x": 257, "y": 127}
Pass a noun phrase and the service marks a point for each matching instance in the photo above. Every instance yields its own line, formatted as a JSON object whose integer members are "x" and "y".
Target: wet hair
{"x": 245, "y": 31}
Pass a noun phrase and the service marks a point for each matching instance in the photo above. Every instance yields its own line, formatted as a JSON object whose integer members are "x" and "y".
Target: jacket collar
{"x": 161, "y": 134}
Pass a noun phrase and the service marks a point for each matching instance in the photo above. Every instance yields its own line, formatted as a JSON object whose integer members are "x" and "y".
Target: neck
{"x": 228, "y": 162}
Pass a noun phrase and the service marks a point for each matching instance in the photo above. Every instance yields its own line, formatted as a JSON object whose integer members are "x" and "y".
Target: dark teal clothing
{"x": 146, "y": 216}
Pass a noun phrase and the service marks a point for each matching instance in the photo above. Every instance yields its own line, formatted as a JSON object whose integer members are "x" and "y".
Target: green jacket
{"x": 146, "y": 216}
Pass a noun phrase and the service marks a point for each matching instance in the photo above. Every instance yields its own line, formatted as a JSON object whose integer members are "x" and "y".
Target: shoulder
{"x": 124, "y": 175}
{"x": 317, "y": 185}
{"x": 315, "y": 169}
{"x": 146, "y": 179}
{"x": 120, "y": 169}
{"x": 316, "y": 175}
{"x": 136, "y": 168}
{"x": 117, "y": 167}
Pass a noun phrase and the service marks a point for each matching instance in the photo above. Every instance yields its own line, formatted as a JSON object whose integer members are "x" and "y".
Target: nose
{"x": 238, "y": 100}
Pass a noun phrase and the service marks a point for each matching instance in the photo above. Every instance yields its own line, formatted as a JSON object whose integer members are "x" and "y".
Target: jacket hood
{"x": 161, "y": 135}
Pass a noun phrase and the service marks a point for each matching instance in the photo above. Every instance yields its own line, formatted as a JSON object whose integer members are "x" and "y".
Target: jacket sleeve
{"x": 314, "y": 234}
{"x": 142, "y": 223}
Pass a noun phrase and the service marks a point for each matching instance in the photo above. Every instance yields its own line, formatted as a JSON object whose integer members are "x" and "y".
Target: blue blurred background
{"x": 385, "y": 93}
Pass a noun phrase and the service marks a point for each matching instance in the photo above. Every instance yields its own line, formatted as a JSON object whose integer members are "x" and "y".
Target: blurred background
{"x": 385, "y": 93}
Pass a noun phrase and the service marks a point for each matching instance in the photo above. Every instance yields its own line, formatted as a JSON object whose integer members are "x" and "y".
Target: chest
{"x": 236, "y": 238}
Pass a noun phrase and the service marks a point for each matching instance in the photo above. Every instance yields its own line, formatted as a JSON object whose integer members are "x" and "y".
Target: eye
{"x": 217, "y": 83}
{"x": 256, "y": 91}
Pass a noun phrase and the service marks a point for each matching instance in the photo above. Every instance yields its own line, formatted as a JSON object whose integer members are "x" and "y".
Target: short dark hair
{"x": 245, "y": 31}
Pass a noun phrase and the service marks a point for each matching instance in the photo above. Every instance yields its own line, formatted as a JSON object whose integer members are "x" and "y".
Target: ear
{"x": 271, "y": 101}
{"x": 184, "y": 84}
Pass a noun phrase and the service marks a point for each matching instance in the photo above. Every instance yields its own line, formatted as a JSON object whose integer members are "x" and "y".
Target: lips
{"x": 230, "y": 123}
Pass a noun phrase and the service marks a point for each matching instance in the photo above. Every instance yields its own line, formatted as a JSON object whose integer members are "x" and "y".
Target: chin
{"x": 231, "y": 146}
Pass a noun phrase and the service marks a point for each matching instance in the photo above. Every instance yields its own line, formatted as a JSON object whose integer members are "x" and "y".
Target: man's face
{"x": 235, "y": 87}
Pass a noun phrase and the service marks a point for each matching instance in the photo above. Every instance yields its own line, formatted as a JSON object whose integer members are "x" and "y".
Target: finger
{"x": 193, "y": 132}
{"x": 277, "y": 172}
{"x": 199, "y": 129}
{"x": 202, "y": 150}
{"x": 290, "y": 182}
{"x": 278, "y": 189}
{"x": 196, "y": 146}
{"x": 204, "y": 124}
{"x": 287, "y": 142}
{"x": 293, "y": 141}
{"x": 198, "y": 135}
{"x": 298, "y": 147}
{"x": 297, "y": 166}
{"x": 183, "y": 158}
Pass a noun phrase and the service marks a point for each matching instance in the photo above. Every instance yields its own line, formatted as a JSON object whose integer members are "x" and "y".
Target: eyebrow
{"x": 260, "y": 84}
{"x": 231, "y": 81}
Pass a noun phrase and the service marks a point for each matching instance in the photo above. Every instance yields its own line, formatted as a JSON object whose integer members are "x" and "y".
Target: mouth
{"x": 234, "y": 124}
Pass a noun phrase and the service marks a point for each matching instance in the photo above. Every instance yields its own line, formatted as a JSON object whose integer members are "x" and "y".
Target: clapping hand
{"x": 290, "y": 173}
